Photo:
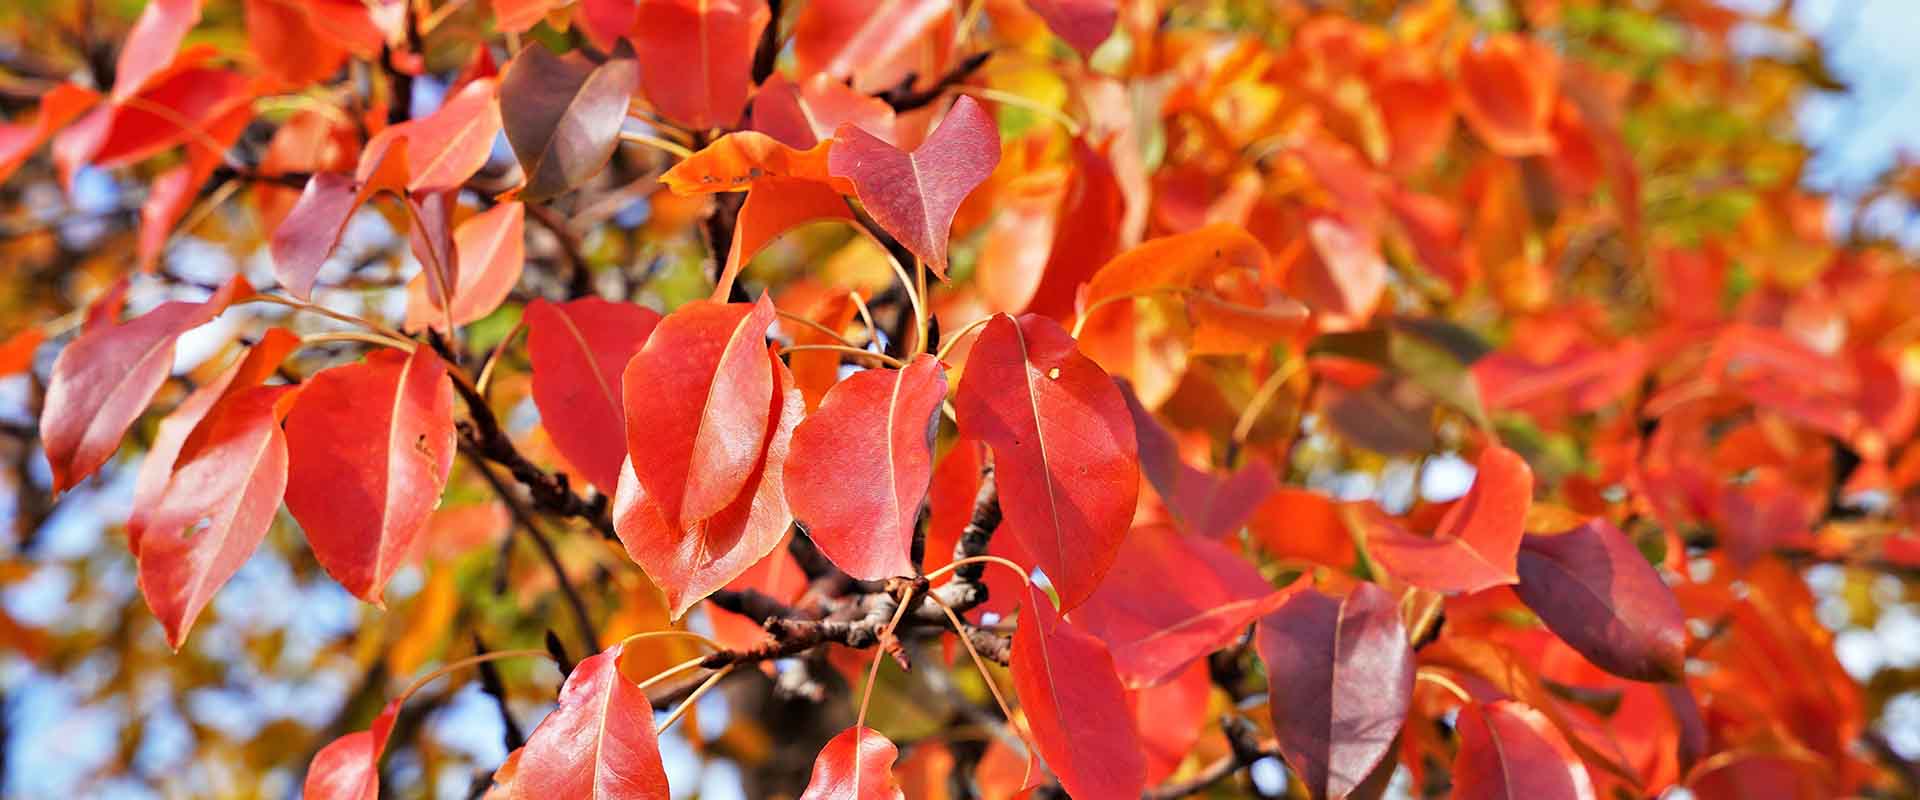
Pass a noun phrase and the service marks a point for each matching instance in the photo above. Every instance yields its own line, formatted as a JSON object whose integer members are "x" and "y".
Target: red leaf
{"x": 956, "y": 482}
{"x": 855, "y": 765}
{"x": 1155, "y": 627}
{"x": 1477, "y": 542}
{"x": 104, "y": 379}
{"x": 861, "y": 464}
{"x": 1345, "y": 281}
{"x": 1171, "y": 717}
{"x": 1295, "y": 523}
{"x": 1204, "y": 503}
{"x": 802, "y": 115}
{"x": 688, "y": 562}
{"x": 152, "y": 43}
{"x": 696, "y": 57}
{"x": 176, "y": 105}
{"x": 914, "y": 195}
{"x": 313, "y": 226}
{"x": 490, "y": 248}
{"x": 1084, "y": 24}
{"x": 216, "y": 508}
{"x": 856, "y": 39}
{"x": 371, "y": 445}
{"x": 1063, "y": 448}
{"x": 170, "y": 442}
{"x": 562, "y": 115}
{"x": 1506, "y": 88}
{"x": 605, "y": 21}
{"x": 773, "y": 207}
{"x": 1508, "y": 749}
{"x": 696, "y": 407}
{"x": 1339, "y": 677}
{"x": 348, "y": 768}
{"x": 175, "y": 190}
{"x": 1075, "y": 704}
{"x": 777, "y": 576}
{"x": 447, "y": 147}
{"x": 58, "y": 106}
{"x": 599, "y": 744}
{"x": 16, "y": 353}
{"x": 519, "y": 16}
{"x": 579, "y": 350}
{"x": 1593, "y": 589}
{"x": 283, "y": 39}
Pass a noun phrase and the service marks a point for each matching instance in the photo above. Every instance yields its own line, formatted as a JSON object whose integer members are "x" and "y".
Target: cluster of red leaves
{"x": 1110, "y": 359}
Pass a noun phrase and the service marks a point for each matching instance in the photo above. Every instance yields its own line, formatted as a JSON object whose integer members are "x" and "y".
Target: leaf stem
{"x": 356, "y": 336}
{"x": 1072, "y": 125}
{"x": 804, "y": 322}
{"x": 852, "y": 351}
{"x": 1264, "y": 397}
{"x": 954, "y": 339}
{"x": 879, "y": 652}
{"x": 337, "y": 316}
{"x": 1017, "y": 569}
{"x": 704, "y": 687}
{"x": 656, "y": 143}
{"x": 1081, "y": 323}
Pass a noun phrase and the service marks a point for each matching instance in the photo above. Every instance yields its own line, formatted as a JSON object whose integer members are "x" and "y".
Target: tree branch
{"x": 525, "y": 521}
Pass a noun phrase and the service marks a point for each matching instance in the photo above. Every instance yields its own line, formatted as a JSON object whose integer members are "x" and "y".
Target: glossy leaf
{"x": 861, "y": 464}
{"x": 696, "y": 57}
{"x": 696, "y": 400}
{"x": 215, "y": 509}
{"x": 1340, "y": 681}
{"x": 599, "y": 744}
{"x": 103, "y": 381}
{"x": 348, "y": 768}
{"x": 1063, "y": 448}
{"x": 1154, "y": 627}
{"x": 1477, "y": 543}
{"x": 562, "y": 116}
{"x": 855, "y": 765}
{"x": 311, "y": 229}
{"x": 1510, "y": 750}
{"x": 369, "y": 448}
{"x": 579, "y": 350}
{"x": 1075, "y": 704}
{"x": 691, "y": 561}
{"x": 1594, "y": 589}
{"x": 490, "y": 248}
{"x": 914, "y": 195}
